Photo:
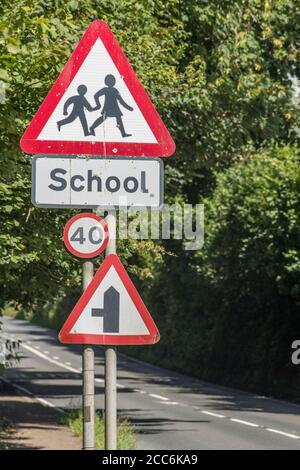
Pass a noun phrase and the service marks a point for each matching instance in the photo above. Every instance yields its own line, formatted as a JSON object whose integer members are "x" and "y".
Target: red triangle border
{"x": 107, "y": 339}
{"x": 165, "y": 146}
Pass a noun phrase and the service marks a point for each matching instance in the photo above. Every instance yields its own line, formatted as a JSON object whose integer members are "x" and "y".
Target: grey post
{"x": 88, "y": 397}
{"x": 111, "y": 359}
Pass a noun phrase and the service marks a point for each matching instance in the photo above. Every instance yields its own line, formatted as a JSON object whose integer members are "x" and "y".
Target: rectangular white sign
{"x": 77, "y": 182}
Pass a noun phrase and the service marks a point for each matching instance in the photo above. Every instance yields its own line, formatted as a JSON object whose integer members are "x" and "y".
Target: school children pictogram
{"x": 111, "y": 107}
{"x": 98, "y": 106}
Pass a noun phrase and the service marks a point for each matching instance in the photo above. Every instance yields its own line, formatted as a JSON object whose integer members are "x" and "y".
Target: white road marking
{"x": 120, "y": 386}
{"x": 28, "y": 394}
{"x": 159, "y": 397}
{"x": 46, "y": 352}
{"x": 99, "y": 380}
{"x": 210, "y": 413}
{"x": 142, "y": 392}
{"x": 153, "y": 395}
{"x": 55, "y": 357}
{"x": 247, "y": 423}
{"x": 68, "y": 363}
{"x": 171, "y": 403}
{"x": 48, "y": 403}
{"x": 25, "y": 397}
{"x": 282, "y": 433}
{"x": 49, "y": 359}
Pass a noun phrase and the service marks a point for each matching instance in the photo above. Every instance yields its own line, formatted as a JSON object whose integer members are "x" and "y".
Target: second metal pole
{"x": 88, "y": 397}
{"x": 111, "y": 359}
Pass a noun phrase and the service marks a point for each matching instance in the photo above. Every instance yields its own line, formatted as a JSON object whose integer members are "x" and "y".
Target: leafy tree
{"x": 218, "y": 73}
{"x": 232, "y": 312}
{"x": 252, "y": 265}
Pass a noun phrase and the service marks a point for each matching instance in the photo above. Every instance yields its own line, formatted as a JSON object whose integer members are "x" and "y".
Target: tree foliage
{"x": 252, "y": 265}
{"x": 232, "y": 312}
{"x": 218, "y": 73}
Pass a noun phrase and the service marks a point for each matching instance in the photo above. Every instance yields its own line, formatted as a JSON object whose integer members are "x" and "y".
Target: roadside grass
{"x": 126, "y": 439}
{"x": 5, "y": 428}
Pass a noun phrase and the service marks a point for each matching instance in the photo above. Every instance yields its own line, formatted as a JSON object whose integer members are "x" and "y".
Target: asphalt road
{"x": 169, "y": 410}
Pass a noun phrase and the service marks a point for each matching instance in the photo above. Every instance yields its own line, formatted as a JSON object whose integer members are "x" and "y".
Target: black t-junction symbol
{"x": 110, "y": 311}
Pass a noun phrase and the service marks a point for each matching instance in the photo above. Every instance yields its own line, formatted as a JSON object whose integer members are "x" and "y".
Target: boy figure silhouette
{"x": 80, "y": 103}
{"x": 111, "y": 105}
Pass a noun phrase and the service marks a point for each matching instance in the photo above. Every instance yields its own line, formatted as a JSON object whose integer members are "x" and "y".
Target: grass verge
{"x": 6, "y": 427}
{"x": 126, "y": 439}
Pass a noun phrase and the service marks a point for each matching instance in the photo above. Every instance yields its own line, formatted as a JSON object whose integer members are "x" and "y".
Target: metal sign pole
{"x": 111, "y": 359}
{"x": 88, "y": 376}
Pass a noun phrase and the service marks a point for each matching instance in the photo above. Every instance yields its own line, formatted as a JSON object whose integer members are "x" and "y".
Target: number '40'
{"x": 79, "y": 237}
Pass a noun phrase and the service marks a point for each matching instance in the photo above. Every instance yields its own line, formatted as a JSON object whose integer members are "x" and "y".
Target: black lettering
{"x": 54, "y": 177}
{"x": 143, "y": 182}
{"x": 72, "y": 183}
{"x": 108, "y": 184}
{"x": 91, "y": 235}
{"x": 135, "y": 184}
{"x": 92, "y": 178}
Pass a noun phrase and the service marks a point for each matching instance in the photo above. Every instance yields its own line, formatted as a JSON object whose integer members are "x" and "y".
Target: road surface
{"x": 169, "y": 410}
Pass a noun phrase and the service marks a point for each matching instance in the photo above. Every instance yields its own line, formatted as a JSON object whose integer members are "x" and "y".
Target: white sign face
{"x": 86, "y": 235}
{"x": 97, "y": 106}
{"x": 97, "y": 182}
{"x": 110, "y": 310}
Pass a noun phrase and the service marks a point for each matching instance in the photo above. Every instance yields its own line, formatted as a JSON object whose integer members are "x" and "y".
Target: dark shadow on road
{"x": 147, "y": 376}
{"x": 144, "y": 423}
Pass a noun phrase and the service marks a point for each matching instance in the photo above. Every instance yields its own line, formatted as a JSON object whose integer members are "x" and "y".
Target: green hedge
{"x": 230, "y": 312}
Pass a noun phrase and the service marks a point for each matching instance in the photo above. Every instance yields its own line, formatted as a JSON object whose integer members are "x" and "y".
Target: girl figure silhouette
{"x": 111, "y": 105}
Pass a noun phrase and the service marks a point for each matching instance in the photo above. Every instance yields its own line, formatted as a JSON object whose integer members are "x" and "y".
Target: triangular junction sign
{"x": 97, "y": 106}
{"x": 110, "y": 311}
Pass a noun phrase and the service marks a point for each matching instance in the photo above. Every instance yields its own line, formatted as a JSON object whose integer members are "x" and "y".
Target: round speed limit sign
{"x": 86, "y": 235}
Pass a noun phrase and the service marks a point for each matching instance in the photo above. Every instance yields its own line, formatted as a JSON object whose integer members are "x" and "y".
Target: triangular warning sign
{"x": 97, "y": 106}
{"x": 110, "y": 311}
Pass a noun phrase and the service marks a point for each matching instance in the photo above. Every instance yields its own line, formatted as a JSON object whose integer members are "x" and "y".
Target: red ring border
{"x": 78, "y": 253}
